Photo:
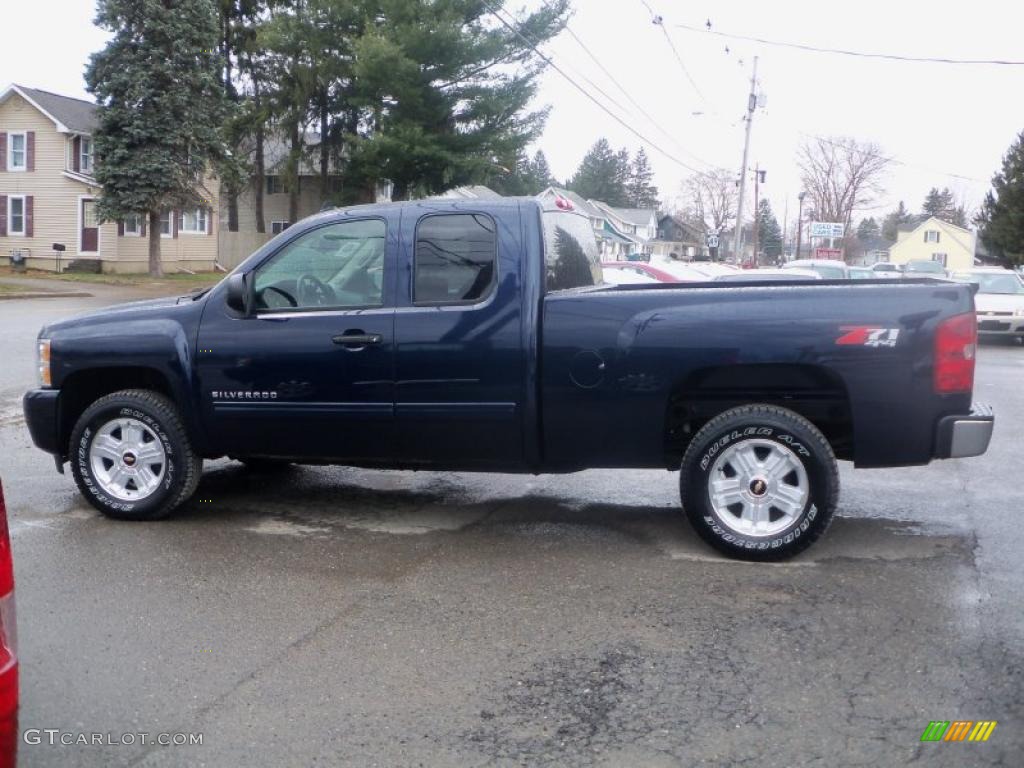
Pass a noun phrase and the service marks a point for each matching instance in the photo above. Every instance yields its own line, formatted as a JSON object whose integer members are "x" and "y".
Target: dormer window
{"x": 85, "y": 156}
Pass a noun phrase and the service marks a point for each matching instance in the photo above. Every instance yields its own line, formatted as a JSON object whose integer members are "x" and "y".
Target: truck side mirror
{"x": 239, "y": 294}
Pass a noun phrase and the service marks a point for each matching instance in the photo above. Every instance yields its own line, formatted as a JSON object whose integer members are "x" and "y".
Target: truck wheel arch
{"x": 82, "y": 388}
{"x": 813, "y": 391}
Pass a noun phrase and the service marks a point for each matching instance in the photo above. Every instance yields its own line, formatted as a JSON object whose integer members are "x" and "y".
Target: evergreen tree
{"x": 162, "y": 109}
{"x": 891, "y": 223}
{"x": 640, "y": 189}
{"x": 868, "y": 229}
{"x": 769, "y": 233}
{"x": 600, "y": 175}
{"x": 1001, "y": 220}
{"x": 435, "y": 110}
{"x": 540, "y": 172}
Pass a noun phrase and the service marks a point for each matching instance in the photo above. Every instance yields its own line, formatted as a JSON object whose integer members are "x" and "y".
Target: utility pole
{"x": 800, "y": 222}
{"x": 751, "y": 106}
{"x": 757, "y": 192}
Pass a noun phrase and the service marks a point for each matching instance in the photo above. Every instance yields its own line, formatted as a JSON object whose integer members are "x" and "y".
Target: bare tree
{"x": 841, "y": 175}
{"x": 711, "y": 200}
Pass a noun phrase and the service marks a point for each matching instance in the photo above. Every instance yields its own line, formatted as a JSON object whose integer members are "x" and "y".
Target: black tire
{"x": 180, "y": 474}
{"x": 265, "y": 466}
{"x": 762, "y": 423}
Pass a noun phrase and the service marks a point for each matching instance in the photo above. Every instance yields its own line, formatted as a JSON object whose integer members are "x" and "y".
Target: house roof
{"x": 471, "y": 192}
{"x": 641, "y": 217}
{"x": 581, "y": 205}
{"x": 68, "y": 114}
{"x": 693, "y": 231}
{"x": 875, "y": 243}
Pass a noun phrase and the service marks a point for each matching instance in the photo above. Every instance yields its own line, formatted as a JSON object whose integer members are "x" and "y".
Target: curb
{"x": 44, "y": 295}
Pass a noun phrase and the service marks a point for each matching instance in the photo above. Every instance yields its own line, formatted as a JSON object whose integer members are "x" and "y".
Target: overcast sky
{"x": 936, "y": 119}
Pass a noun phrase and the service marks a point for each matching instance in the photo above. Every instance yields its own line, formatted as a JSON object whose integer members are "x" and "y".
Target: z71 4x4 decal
{"x": 868, "y": 336}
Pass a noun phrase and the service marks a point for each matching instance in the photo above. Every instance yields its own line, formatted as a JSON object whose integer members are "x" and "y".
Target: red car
{"x": 638, "y": 269}
{"x": 8, "y": 649}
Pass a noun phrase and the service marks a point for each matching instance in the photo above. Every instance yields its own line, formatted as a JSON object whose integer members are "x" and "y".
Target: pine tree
{"x": 640, "y": 189}
{"x": 1001, "y": 220}
{"x": 868, "y": 229}
{"x": 600, "y": 175}
{"x": 540, "y": 172}
{"x": 769, "y": 233}
{"x": 892, "y": 222}
{"x": 434, "y": 110}
{"x": 162, "y": 109}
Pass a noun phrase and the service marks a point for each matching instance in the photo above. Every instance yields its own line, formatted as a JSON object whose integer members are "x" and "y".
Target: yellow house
{"x": 48, "y": 195}
{"x": 934, "y": 240}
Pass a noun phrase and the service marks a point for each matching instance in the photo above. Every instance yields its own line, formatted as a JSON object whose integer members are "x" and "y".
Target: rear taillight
{"x": 8, "y": 649}
{"x": 956, "y": 344}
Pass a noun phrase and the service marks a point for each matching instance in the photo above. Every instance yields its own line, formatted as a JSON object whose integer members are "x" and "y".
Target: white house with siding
{"x": 48, "y": 194}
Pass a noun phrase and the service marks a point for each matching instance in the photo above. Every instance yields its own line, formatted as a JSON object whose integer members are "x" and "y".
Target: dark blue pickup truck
{"x": 478, "y": 335}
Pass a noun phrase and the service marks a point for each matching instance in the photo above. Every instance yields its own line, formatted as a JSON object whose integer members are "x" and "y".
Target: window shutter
{"x": 209, "y": 221}
{"x": 30, "y": 150}
{"x": 173, "y": 216}
{"x": 76, "y": 154}
{"x": 120, "y": 228}
{"x": 142, "y": 224}
{"x": 3, "y": 215}
{"x": 3, "y": 151}
{"x": 28, "y": 216}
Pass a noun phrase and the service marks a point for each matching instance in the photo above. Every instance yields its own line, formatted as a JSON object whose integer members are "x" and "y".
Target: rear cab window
{"x": 571, "y": 258}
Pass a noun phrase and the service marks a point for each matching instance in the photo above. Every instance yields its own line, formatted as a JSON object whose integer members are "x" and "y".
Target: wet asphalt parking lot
{"x": 334, "y": 616}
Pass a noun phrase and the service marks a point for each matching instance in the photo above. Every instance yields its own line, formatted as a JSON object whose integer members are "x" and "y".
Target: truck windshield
{"x": 571, "y": 259}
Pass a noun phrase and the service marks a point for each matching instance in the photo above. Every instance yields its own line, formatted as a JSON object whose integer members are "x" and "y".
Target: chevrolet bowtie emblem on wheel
{"x": 958, "y": 730}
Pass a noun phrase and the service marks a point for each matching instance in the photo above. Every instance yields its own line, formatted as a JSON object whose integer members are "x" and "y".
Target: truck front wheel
{"x": 131, "y": 456}
{"x": 759, "y": 482}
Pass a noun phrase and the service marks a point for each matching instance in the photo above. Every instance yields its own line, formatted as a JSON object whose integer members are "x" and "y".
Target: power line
{"x": 844, "y": 52}
{"x": 633, "y": 101}
{"x": 533, "y": 46}
{"x": 658, "y": 21}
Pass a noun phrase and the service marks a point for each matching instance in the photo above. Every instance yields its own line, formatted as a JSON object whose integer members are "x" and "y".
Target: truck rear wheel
{"x": 759, "y": 482}
{"x": 131, "y": 456}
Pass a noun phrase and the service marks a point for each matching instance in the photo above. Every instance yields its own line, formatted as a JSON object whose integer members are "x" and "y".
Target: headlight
{"x": 43, "y": 362}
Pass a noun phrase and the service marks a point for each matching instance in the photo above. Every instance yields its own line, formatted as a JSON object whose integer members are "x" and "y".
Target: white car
{"x": 829, "y": 269}
{"x": 999, "y": 302}
{"x": 768, "y": 273}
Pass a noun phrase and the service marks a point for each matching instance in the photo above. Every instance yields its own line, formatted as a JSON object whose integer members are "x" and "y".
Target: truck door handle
{"x": 357, "y": 339}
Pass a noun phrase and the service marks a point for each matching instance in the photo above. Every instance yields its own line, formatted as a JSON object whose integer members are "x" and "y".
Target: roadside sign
{"x": 712, "y": 241}
{"x": 827, "y": 229}
{"x": 829, "y": 253}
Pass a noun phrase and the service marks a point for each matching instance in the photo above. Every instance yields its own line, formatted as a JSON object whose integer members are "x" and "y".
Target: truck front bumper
{"x": 42, "y": 414}
{"x": 966, "y": 435}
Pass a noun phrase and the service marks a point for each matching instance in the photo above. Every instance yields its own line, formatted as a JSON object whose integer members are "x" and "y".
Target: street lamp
{"x": 800, "y": 222}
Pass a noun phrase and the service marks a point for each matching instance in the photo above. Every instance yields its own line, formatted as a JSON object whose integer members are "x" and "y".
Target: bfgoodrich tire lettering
{"x": 807, "y": 496}
{"x": 159, "y": 417}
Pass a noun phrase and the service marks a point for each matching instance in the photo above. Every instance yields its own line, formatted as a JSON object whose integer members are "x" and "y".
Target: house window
{"x": 931, "y": 236}
{"x": 165, "y": 224}
{"x": 942, "y": 258}
{"x": 85, "y": 156}
{"x": 16, "y": 153}
{"x": 274, "y": 186}
{"x": 133, "y": 224}
{"x": 15, "y": 215}
{"x": 194, "y": 222}
{"x": 277, "y": 227}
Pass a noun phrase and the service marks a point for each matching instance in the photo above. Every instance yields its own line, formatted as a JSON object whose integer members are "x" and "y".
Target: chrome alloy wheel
{"x": 127, "y": 459}
{"x": 758, "y": 487}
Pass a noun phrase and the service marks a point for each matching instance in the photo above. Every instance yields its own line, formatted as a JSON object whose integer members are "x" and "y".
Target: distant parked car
{"x": 8, "y": 648}
{"x": 924, "y": 268}
{"x": 999, "y": 303}
{"x": 829, "y": 269}
{"x": 692, "y": 271}
{"x": 632, "y": 272}
{"x": 769, "y": 274}
{"x": 887, "y": 266}
{"x": 866, "y": 273}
